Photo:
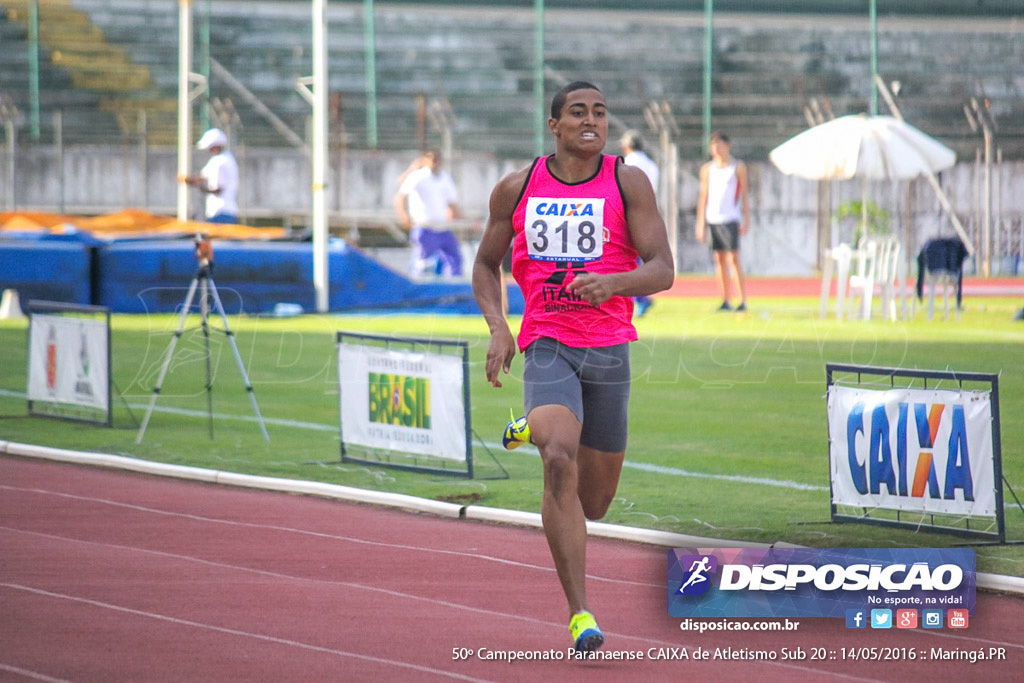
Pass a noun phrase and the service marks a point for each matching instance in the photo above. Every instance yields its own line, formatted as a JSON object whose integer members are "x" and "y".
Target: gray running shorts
{"x": 725, "y": 236}
{"x": 592, "y": 382}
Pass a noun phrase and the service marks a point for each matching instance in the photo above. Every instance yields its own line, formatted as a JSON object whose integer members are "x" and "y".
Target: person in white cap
{"x": 218, "y": 179}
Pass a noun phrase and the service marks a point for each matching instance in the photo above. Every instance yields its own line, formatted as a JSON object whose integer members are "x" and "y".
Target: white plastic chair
{"x": 838, "y": 260}
{"x": 876, "y": 264}
{"x": 862, "y": 279}
{"x": 887, "y": 274}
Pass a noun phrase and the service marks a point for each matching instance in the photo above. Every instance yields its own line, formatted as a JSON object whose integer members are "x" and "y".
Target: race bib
{"x": 564, "y": 229}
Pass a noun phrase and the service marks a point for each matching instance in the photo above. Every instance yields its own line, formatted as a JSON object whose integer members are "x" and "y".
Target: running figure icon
{"x": 697, "y": 573}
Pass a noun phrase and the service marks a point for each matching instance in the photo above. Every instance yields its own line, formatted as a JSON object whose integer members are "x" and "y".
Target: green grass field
{"x": 728, "y": 435}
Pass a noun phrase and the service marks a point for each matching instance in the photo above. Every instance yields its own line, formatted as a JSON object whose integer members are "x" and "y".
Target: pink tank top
{"x": 561, "y": 230}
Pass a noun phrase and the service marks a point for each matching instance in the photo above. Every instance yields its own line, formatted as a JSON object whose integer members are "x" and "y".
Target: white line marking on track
{"x": 650, "y": 642}
{"x": 34, "y": 675}
{"x": 315, "y": 534}
{"x": 244, "y": 634}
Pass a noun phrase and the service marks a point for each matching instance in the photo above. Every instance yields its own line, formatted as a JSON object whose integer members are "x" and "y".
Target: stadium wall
{"x": 275, "y": 191}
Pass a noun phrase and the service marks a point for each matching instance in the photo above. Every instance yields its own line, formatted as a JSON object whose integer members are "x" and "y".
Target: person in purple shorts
{"x": 426, "y": 202}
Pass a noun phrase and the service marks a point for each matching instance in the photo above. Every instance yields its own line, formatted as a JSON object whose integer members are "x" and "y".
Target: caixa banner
{"x": 817, "y": 582}
{"x": 921, "y": 450}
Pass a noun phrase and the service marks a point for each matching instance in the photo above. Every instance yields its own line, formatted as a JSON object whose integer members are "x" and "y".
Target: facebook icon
{"x": 856, "y": 618}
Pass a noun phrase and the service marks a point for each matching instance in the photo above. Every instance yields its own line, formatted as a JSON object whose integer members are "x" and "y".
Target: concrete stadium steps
{"x": 480, "y": 59}
{"x": 79, "y": 46}
{"x": 97, "y": 72}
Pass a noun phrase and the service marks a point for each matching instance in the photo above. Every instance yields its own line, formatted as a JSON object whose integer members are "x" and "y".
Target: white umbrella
{"x": 865, "y": 147}
{"x": 862, "y": 146}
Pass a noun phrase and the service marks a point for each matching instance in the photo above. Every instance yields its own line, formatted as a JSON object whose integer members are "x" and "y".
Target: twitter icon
{"x": 881, "y": 618}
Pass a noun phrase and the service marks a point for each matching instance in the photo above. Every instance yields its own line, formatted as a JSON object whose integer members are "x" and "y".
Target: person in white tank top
{"x": 723, "y": 210}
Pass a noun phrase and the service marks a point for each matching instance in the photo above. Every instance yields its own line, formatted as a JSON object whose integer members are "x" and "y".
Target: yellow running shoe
{"x": 517, "y": 432}
{"x": 585, "y": 633}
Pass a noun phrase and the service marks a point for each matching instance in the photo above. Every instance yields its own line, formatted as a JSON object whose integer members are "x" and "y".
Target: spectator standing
{"x": 633, "y": 153}
{"x": 723, "y": 208}
{"x": 218, "y": 179}
{"x": 427, "y": 202}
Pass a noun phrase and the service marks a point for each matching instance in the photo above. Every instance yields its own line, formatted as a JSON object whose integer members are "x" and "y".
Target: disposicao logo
{"x": 697, "y": 579}
{"x": 829, "y": 582}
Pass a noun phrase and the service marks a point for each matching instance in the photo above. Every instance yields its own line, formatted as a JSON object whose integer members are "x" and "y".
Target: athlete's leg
{"x": 722, "y": 273}
{"x": 556, "y": 432}
{"x": 598, "y": 479}
{"x": 737, "y": 269}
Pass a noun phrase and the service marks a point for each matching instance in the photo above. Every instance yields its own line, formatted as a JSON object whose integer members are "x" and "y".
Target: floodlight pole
{"x": 539, "y": 117}
{"x": 186, "y": 94}
{"x": 873, "y": 19}
{"x": 184, "y": 104}
{"x": 709, "y": 55}
{"x": 317, "y": 99}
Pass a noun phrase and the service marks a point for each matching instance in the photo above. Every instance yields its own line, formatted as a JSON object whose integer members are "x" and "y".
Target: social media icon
{"x": 931, "y": 618}
{"x": 881, "y": 618}
{"x": 906, "y": 618}
{"x": 957, "y": 618}
{"x": 856, "y": 618}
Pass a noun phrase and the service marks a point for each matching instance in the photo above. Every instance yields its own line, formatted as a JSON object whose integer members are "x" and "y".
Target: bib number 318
{"x": 560, "y": 230}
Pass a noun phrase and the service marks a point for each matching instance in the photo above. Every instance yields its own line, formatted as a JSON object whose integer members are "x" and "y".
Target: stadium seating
{"x": 479, "y": 60}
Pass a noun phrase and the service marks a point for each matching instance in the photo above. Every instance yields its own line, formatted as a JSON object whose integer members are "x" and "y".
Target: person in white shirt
{"x": 632, "y": 145}
{"x": 218, "y": 179}
{"x": 633, "y": 154}
{"x": 426, "y": 203}
{"x": 723, "y": 209}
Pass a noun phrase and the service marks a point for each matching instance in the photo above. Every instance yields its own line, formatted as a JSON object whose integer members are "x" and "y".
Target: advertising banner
{"x": 67, "y": 361}
{"x": 402, "y": 400}
{"x": 920, "y": 450}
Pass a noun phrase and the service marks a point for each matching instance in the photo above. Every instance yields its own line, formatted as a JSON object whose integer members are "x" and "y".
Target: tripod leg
{"x": 167, "y": 358}
{"x": 204, "y": 309}
{"x": 238, "y": 358}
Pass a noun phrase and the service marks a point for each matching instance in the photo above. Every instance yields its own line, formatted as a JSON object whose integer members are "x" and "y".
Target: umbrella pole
{"x": 906, "y": 248}
{"x": 863, "y": 207}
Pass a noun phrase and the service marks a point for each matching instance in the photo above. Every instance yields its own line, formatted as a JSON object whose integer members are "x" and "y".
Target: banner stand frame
{"x": 37, "y": 306}
{"x": 887, "y": 375}
{"x": 417, "y": 463}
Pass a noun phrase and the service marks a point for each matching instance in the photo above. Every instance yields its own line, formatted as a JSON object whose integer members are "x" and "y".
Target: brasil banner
{"x": 401, "y": 400}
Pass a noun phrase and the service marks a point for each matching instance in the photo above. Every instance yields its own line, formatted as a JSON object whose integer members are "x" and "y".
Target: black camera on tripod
{"x": 204, "y": 253}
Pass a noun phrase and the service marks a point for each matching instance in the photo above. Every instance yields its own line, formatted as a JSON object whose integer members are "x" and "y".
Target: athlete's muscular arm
{"x": 487, "y": 281}
{"x": 650, "y": 237}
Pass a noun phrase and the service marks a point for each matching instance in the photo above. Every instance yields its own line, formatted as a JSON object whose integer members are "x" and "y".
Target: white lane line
{"x": 645, "y": 641}
{"x": 236, "y": 632}
{"x": 33, "y": 675}
{"x": 306, "y": 532}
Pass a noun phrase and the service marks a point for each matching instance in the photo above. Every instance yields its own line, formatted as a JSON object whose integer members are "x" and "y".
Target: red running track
{"x": 113, "y": 576}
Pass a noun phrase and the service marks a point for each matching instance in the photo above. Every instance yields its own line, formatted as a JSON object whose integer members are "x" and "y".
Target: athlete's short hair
{"x": 558, "y": 101}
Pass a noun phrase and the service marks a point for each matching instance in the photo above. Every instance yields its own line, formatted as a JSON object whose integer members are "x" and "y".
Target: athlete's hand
{"x": 500, "y": 352}
{"x": 592, "y": 288}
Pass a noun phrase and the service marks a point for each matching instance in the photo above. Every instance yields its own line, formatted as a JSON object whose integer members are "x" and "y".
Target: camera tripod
{"x": 203, "y": 282}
